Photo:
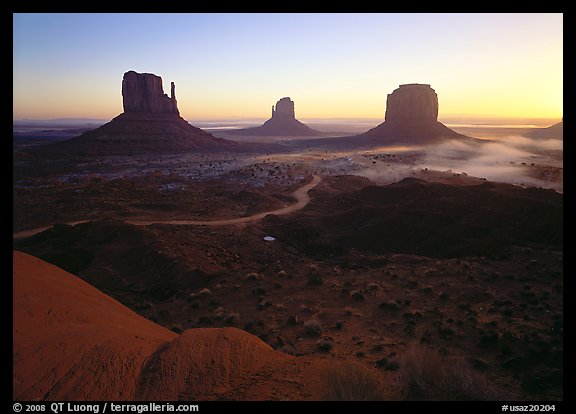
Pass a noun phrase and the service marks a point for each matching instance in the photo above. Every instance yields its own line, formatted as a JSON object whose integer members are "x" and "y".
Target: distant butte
{"x": 412, "y": 116}
{"x": 282, "y": 123}
{"x": 143, "y": 93}
{"x": 150, "y": 122}
{"x": 555, "y": 131}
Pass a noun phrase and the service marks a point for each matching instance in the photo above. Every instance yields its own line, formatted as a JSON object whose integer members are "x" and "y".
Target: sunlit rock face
{"x": 412, "y": 102}
{"x": 143, "y": 92}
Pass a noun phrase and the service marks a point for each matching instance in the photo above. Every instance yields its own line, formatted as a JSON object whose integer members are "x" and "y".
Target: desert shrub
{"x": 205, "y": 320}
{"x": 264, "y": 305}
{"x": 292, "y": 320}
{"x": 389, "y": 363}
{"x": 351, "y": 381}
{"x": 232, "y": 318}
{"x": 350, "y": 311}
{"x": 314, "y": 279}
{"x": 372, "y": 288}
{"x": 324, "y": 345}
{"x": 313, "y": 327}
{"x": 253, "y": 276}
{"x": 177, "y": 328}
{"x": 390, "y": 305}
{"x": 426, "y": 375}
{"x": 258, "y": 291}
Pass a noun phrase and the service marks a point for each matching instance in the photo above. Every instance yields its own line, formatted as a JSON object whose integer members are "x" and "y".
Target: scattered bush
{"x": 214, "y": 303}
{"x": 372, "y": 288}
{"x": 313, "y": 327}
{"x": 232, "y": 319}
{"x": 350, "y": 311}
{"x": 324, "y": 345}
{"x": 263, "y": 305}
{"x": 378, "y": 347}
{"x": 258, "y": 291}
{"x": 427, "y": 289}
{"x": 205, "y": 320}
{"x": 351, "y": 381}
{"x": 177, "y": 328}
{"x": 314, "y": 279}
{"x": 292, "y": 320}
{"x": 489, "y": 339}
{"x": 253, "y": 276}
{"x": 390, "y": 305}
{"x": 387, "y": 363}
{"x": 426, "y": 375}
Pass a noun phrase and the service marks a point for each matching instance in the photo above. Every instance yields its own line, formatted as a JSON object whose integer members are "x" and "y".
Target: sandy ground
{"x": 71, "y": 342}
{"x": 501, "y": 312}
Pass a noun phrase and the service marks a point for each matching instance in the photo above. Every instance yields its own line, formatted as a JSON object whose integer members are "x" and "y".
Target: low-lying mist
{"x": 513, "y": 159}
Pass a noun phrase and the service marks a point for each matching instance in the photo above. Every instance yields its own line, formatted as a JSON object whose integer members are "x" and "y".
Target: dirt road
{"x": 301, "y": 196}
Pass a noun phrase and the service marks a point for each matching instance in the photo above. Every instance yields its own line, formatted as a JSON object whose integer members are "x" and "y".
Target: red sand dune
{"x": 72, "y": 342}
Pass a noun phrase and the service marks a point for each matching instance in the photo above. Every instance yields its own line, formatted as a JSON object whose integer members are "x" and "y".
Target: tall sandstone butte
{"x": 412, "y": 102}
{"x": 284, "y": 109}
{"x": 143, "y": 92}
{"x": 282, "y": 123}
{"x": 411, "y": 117}
{"x": 150, "y": 122}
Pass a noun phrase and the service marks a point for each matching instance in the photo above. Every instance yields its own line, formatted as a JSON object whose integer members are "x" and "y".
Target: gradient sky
{"x": 228, "y": 66}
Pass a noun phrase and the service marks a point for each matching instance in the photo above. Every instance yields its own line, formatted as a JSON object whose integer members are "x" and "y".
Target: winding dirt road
{"x": 301, "y": 196}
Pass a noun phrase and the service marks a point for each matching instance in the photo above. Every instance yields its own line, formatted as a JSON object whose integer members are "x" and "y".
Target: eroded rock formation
{"x": 411, "y": 118}
{"x": 150, "y": 122}
{"x": 284, "y": 109}
{"x": 143, "y": 92}
{"x": 282, "y": 123}
{"x": 412, "y": 102}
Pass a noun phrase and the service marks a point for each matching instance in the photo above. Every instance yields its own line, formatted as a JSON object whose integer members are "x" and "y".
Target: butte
{"x": 411, "y": 118}
{"x": 150, "y": 122}
{"x": 282, "y": 123}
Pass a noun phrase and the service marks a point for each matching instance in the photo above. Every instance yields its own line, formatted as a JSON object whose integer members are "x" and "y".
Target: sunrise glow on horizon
{"x": 228, "y": 66}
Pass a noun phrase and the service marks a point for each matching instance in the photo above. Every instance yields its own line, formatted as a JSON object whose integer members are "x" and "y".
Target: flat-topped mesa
{"x": 411, "y": 117}
{"x": 143, "y": 93}
{"x": 284, "y": 109}
{"x": 412, "y": 102}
